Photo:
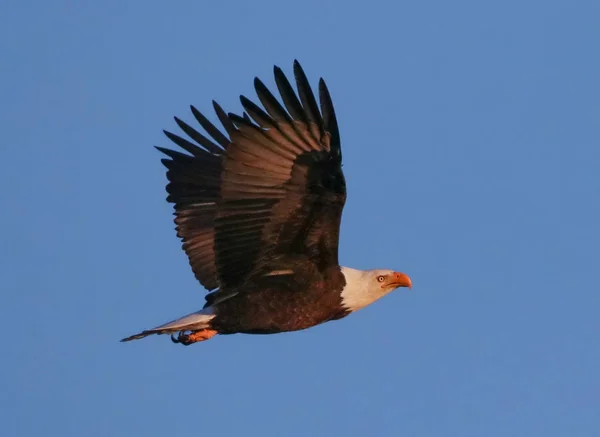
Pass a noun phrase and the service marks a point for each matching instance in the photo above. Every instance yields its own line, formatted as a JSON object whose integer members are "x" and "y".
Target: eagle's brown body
{"x": 283, "y": 303}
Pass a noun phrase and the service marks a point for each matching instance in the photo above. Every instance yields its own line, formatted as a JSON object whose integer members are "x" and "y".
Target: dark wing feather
{"x": 288, "y": 96}
{"x": 210, "y": 128}
{"x": 329, "y": 119}
{"x": 308, "y": 99}
{"x": 194, "y": 189}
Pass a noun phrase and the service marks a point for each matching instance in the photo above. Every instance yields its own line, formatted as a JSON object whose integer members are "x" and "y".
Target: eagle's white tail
{"x": 192, "y": 322}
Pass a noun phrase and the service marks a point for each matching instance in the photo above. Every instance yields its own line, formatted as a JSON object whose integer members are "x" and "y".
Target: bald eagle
{"x": 258, "y": 209}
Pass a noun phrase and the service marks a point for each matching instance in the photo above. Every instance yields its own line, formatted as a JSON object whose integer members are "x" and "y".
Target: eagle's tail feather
{"x": 197, "y": 321}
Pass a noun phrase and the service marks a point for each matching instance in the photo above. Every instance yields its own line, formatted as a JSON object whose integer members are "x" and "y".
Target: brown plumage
{"x": 258, "y": 208}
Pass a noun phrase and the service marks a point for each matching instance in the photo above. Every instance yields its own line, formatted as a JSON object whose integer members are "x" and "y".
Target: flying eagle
{"x": 258, "y": 210}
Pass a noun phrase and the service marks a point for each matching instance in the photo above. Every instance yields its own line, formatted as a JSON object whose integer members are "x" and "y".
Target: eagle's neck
{"x": 360, "y": 289}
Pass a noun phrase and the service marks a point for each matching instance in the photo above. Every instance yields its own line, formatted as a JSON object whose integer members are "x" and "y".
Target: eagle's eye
{"x": 380, "y": 278}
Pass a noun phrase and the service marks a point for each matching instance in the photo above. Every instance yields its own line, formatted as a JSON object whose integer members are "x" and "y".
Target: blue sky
{"x": 471, "y": 144}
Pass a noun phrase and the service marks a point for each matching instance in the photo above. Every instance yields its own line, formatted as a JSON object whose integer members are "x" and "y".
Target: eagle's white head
{"x": 363, "y": 287}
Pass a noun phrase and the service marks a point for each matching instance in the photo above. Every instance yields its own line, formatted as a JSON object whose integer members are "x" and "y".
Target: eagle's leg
{"x": 194, "y": 336}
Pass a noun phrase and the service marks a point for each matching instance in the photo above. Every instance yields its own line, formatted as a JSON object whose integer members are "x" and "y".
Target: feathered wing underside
{"x": 194, "y": 187}
{"x": 282, "y": 189}
{"x": 274, "y": 187}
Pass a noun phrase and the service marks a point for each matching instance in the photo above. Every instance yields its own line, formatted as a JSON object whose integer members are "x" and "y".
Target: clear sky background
{"x": 471, "y": 139}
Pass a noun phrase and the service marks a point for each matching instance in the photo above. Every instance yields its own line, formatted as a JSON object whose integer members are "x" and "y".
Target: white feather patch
{"x": 197, "y": 320}
{"x": 280, "y": 272}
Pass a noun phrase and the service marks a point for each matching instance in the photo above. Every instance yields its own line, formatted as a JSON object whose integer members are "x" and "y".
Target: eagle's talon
{"x": 182, "y": 338}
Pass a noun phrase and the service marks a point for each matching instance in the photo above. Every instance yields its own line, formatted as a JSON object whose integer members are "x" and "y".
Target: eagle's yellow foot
{"x": 193, "y": 337}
